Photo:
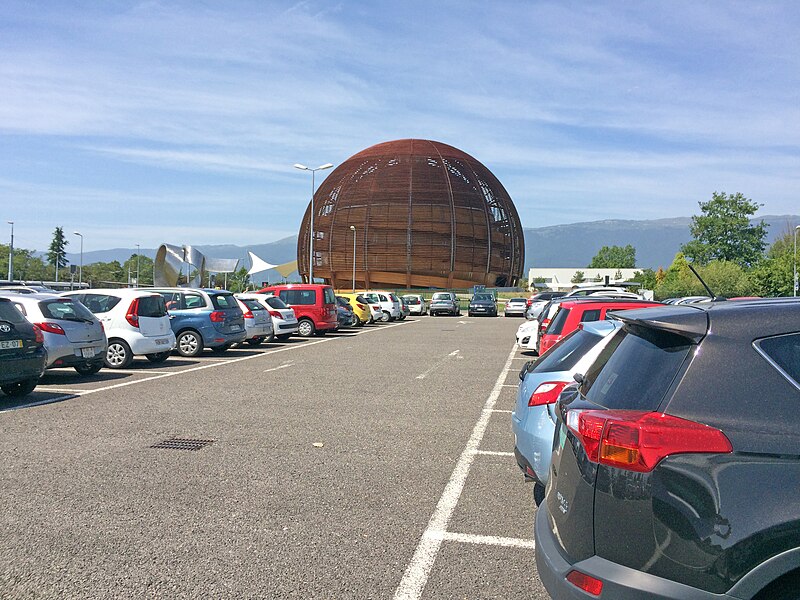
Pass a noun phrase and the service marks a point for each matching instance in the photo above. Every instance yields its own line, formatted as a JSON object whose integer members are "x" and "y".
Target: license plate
{"x": 236, "y": 327}
{"x": 9, "y": 344}
{"x": 87, "y": 352}
{"x": 162, "y": 341}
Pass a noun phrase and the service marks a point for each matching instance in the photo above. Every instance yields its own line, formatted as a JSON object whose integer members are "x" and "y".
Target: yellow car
{"x": 359, "y": 305}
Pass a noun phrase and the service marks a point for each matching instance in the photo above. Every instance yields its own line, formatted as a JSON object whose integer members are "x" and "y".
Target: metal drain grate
{"x": 182, "y": 444}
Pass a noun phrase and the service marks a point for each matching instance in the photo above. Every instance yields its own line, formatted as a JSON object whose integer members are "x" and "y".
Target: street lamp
{"x": 80, "y": 272}
{"x": 311, "y": 229}
{"x": 137, "y": 266}
{"x": 794, "y": 261}
{"x": 353, "y": 229}
{"x": 11, "y": 255}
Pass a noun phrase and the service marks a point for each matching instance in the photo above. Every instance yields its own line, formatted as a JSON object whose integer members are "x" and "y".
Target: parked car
{"x": 284, "y": 320}
{"x": 515, "y": 307}
{"x": 73, "y": 337}
{"x": 345, "y": 316}
{"x": 313, "y": 303}
{"x": 403, "y": 307}
{"x": 359, "y": 306}
{"x": 538, "y": 301}
{"x": 593, "y": 289}
{"x": 533, "y": 419}
{"x": 482, "y": 304}
{"x": 22, "y": 354}
{"x": 135, "y": 321}
{"x": 444, "y": 303}
{"x": 257, "y": 322}
{"x": 569, "y": 314}
{"x": 203, "y": 318}
{"x": 390, "y": 307}
{"x": 525, "y": 331}
{"x": 416, "y": 304}
{"x": 675, "y": 464}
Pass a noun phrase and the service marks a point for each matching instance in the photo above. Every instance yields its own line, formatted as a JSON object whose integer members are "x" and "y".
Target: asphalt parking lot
{"x": 375, "y": 463}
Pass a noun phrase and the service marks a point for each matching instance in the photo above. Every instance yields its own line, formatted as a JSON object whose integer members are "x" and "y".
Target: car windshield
{"x": 483, "y": 298}
{"x": 9, "y": 313}
{"x": 441, "y": 296}
{"x": 65, "y": 309}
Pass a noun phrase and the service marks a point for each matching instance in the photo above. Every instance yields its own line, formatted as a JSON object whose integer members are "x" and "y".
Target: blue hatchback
{"x": 533, "y": 419}
{"x": 203, "y": 318}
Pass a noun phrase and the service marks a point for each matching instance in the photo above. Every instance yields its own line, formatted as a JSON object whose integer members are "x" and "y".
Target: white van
{"x": 136, "y": 323}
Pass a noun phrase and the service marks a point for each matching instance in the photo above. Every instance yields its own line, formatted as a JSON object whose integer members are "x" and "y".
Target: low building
{"x": 561, "y": 279}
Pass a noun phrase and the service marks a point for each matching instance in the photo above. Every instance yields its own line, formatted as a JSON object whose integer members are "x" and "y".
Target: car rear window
{"x": 276, "y": 302}
{"x": 783, "y": 352}
{"x": 223, "y": 301}
{"x": 411, "y": 299}
{"x": 330, "y": 297}
{"x": 590, "y": 315}
{"x": 557, "y": 324}
{"x": 152, "y": 306}
{"x": 299, "y": 297}
{"x": 253, "y": 305}
{"x": 9, "y": 313}
{"x": 100, "y": 303}
{"x": 441, "y": 296}
{"x": 634, "y": 371}
{"x": 567, "y": 352}
{"x": 65, "y": 309}
{"x": 361, "y": 299}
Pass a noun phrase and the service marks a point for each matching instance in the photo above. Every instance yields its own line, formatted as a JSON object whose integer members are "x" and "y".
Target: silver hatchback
{"x": 73, "y": 337}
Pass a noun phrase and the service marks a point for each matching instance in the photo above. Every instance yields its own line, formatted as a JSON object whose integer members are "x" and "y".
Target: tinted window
{"x": 152, "y": 306}
{"x": 519, "y": 300}
{"x": 330, "y": 297}
{"x": 590, "y": 315}
{"x": 636, "y": 369}
{"x": 223, "y": 301}
{"x": 276, "y": 302}
{"x": 299, "y": 297}
{"x": 10, "y": 314}
{"x": 567, "y": 352}
{"x": 372, "y": 297}
{"x": 441, "y": 296}
{"x": 393, "y": 298}
{"x": 254, "y": 305}
{"x": 784, "y": 350}
{"x": 99, "y": 303}
{"x": 65, "y": 309}
{"x": 192, "y": 301}
{"x": 483, "y": 298}
{"x": 361, "y": 299}
{"x": 383, "y": 298}
{"x": 557, "y": 324}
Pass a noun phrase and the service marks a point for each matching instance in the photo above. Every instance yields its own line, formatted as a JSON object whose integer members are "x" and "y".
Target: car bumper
{"x": 534, "y": 439}
{"x": 514, "y": 311}
{"x": 21, "y": 368}
{"x": 619, "y": 582}
{"x": 415, "y": 310}
{"x": 287, "y": 328}
{"x": 141, "y": 345}
{"x": 88, "y": 354}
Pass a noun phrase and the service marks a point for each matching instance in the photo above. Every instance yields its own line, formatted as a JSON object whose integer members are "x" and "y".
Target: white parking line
{"x": 501, "y": 411}
{"x": 137, "y": 371}
{"x": 419, "y": 569}
{"x": 490, "y": 540}
{"x": 439, "y": 363}
{"x": 514, "y": 385}
{"x": 283, "y": 366}
{"x": 57, "y": 390}
{"x": 493, "y": 453}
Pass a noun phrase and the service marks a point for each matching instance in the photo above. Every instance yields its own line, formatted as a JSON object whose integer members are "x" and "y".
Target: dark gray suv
{"x": 676, "y": 462}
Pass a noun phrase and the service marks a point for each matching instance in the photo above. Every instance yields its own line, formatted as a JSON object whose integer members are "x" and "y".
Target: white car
{"x": 525, "y": 331}
{"x": 516, "y": 306}
{"x": 257, "y": 321}
{"x": 416, "y": 304}
{"x": 136, "y": 323}
{"x": 390, "y": 304}
{"x": 284, "y": 319}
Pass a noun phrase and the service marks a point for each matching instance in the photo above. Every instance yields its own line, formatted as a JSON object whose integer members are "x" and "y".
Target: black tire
{"x": 306, "y": 328}
{"x": 21, "y": 388}
{"x": 189, "y": 343}
{"x": 256, "y": 341}
{"x": 538, "y": 493}
{"x": 283, "y": 336}
{"x": 89, "y": 369}
{"x": 118, "y": 355}
{"x": 158, "y": 357}
{"x": 359, "y": 322}
{"x": 221, "y": 349}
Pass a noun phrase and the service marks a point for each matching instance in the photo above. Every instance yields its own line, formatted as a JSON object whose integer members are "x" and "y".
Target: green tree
{"x": 578, "y": 277}
{"x": 646, "y": 278}
{"x": 102, "y": 273}
{"x": 238, "y": 281}
{"x": 56, "y": 252}
{"x": 27, "y": 267}
{"x": 773, "y": 275}
{"x": 614, "y": 257}
{"x": 723, "y": 231}
{"x": 145, "y": 266}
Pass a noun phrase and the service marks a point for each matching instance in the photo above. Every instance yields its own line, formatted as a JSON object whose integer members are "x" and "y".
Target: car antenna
{"x": 705, "y": 285}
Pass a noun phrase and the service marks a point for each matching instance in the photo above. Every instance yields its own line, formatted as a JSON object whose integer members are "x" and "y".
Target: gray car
{"x": 73, "y": 336}
{"x": 444, "y": 303}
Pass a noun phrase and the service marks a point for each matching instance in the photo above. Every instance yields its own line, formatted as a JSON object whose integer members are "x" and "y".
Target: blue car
{"x": 203, "y": 318}
{"x": 542, "y": 381}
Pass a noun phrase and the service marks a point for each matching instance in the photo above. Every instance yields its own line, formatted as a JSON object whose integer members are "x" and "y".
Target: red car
{"x": 313, "y": 303}
{"x": 570, "y": 314}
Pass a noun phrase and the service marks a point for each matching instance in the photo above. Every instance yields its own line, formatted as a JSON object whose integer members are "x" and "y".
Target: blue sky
{"x": 179, "y": 122}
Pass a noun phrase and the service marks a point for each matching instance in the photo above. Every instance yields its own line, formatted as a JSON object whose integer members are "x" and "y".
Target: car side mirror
{"x": 578, "y": 377}
{"x": 526, "y": 368}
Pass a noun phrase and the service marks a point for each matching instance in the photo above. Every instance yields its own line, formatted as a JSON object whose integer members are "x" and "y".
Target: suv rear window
{"x": 300, "y": 297}
{"x": 568, "y": 352}
{"x": 634, "y": 371}
{"x": 557, "y": 324}
{"x": 223, "y": 301}
{"x": 65, "y": 309}
{"x": 784, "y": 352}
{"x": 330, "y": 297}
{"x": 100, "y": 303}
{"x": 152, "y": 306}
{"x": 10, "y": 314}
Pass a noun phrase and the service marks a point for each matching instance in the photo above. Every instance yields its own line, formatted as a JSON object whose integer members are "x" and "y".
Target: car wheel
{"x": 21, "y": 388}
{"x": 306, "y": 328}
{"x": 387, "y": 317}
{"x": 189, "y": 343}
{"x": 538, "y": 493}
{"x": 358, "y": 322}
{"x": 221, "y": 349}
{"x": 89, "y": 369}
{"x": 283, "y": 336}
{"x": 118, "y": 355}
{"x": 158, "y": 357}
{"x": 256, "y": 341}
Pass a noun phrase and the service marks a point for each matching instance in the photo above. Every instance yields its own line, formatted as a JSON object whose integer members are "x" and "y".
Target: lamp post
{"x": 311, "y": 228}
{"x": 353, "y": 229}
{"x": 58, "y": 260}
{"x": 11, "y": 255}
{"x": 794, "y": 261}
{"x": 80, "y": 272}
{"x": 137, "y": 266}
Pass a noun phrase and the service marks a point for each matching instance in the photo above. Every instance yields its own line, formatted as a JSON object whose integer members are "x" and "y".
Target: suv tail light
{"x": 217, "y": 316}
{"x": 132, "y": 316}
{"x": 248, "y": 315}
{"x": 637, "y": 440}
{"x": 50, "y": 328}
{"x": 37, "y": 331}
{"x": 584, "y": 582}
{"x": 276, "y": 314}
{"x": 546, "y": 393}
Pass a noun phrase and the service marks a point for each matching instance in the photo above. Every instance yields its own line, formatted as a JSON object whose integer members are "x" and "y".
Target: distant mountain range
{"x": 574, "y": 245}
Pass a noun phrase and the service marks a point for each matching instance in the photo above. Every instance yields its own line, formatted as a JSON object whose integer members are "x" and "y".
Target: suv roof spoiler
{"x": 685, "y": 320}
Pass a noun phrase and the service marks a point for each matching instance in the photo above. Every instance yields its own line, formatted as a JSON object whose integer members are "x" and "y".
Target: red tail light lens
{"x": 546, "y": 393}
{"x": 638, "y": 441}
{"x": 361, "y": 306}
{"x": 50, "y": 328}
{"x": 217, "y": 316}
{"x": 584, "y": 582}
{"x": 248, "y": 315}
{"x": 132, "y": 316}
{"x": 276, "y": 314}
{"x": 37, "y": 331}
